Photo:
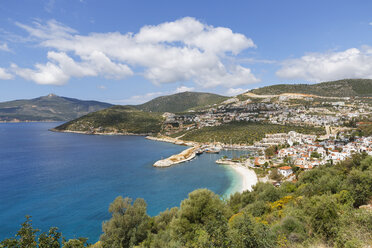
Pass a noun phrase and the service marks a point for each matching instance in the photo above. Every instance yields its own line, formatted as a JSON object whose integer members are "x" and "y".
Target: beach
{"x": 245, "y": 179}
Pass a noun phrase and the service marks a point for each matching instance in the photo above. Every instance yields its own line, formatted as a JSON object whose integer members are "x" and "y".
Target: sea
{"x": 68, "y": 180}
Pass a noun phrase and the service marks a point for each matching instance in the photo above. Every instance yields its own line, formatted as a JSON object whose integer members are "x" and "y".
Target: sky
{"x": 128, "y": 52}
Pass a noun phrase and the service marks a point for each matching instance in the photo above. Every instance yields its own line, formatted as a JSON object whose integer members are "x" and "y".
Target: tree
{"x": 315, "y": 155}
{"x": 323, "y": 214}
{"x": 128, "y": 225}
{"x": 201, "y": 221}
{"x": 359, "y": 184}
{"x": 275, "y": 175}
{"x": 270, "y": 151}
{"x": 50, "y": 239}
{"x": 26, "y": 238}
{"x": 245, "y": 232}
{"x": 76, "y": 243}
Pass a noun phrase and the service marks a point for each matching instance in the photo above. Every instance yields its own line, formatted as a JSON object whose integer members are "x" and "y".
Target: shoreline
{"x": 98, "y": 133}
{"x": 248, "y": 179}
{"x": 29, "y": 121}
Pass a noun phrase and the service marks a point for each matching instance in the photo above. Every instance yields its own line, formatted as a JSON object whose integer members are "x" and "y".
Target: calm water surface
{"x": 68, "y": 180}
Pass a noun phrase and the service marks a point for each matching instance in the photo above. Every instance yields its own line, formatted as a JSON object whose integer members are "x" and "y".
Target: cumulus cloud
{"x": 183, "y": 89}
{"x": 235, "y": 91}
{"x": 318, "y": 67}
{"x": 138, "y": 99}
{"x": 4, "y": 75}
{"x": 178, "y": 51}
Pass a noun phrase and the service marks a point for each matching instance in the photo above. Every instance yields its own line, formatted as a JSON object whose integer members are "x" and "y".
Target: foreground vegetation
{"x": 119, "y": 119}
{"x": 323, "y": 208}
{"x": 243, "y": 132}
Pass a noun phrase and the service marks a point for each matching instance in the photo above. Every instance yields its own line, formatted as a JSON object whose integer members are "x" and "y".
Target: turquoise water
{"x": 68, "y": 180}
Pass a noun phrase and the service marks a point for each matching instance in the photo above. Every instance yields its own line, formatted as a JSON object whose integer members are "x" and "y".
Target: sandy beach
{"x": 248, "y": 178}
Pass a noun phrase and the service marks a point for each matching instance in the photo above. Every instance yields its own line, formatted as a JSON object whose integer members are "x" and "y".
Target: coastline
{"x": 97, "y": 133}
{"x": 29, "y": 121}
{"x": 244, "y": 179}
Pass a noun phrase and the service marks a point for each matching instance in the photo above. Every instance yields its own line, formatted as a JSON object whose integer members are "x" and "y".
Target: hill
{"x": 48, "y": 108}
{"x": 340, "y": 88}
{"x": 117, "y": 119}
{"x": 180, "y": 102}
{"x": 242, "y": 132}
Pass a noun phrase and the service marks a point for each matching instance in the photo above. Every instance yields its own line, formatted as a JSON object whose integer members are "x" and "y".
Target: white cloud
{"x": 101, "y": 87}
{"x": 43, "y": 74}
{"x": 138, "y": 99}
{"x": 4, "y": 47}
{"x": 62, "y": 67}
{"x": 235, "y": 91}
{"x": 318, "y": 67}
{"x": 4, "y": 75}
{"x": 179, "y": 51}
{"x": 183, "y": 89}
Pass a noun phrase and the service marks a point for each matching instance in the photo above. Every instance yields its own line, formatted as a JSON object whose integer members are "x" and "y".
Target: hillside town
{"x": 293, "y": 151}
{"x": 285, "y": 152}
{"x": 284, "y": 110}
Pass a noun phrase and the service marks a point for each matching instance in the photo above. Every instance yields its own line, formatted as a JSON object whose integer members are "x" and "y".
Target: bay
{"x": 68, "y": 180}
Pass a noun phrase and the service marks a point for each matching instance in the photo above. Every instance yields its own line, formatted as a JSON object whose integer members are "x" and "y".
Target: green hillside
{"x": 243, "y": 132}
{"x": 117, "y": 119}
{"x": 181, "y": 102}
{"x": 48, "y": 108}
{"x": 340, "y": 88}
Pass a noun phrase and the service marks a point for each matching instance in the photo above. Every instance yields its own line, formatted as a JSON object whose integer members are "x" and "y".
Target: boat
{"x": 213, "y": 150}
{"x": 199, "y": 151}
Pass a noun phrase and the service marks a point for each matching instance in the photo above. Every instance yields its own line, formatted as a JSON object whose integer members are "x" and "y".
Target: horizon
{"x": 126, "y": 55}
{"x": 165, "y": 94}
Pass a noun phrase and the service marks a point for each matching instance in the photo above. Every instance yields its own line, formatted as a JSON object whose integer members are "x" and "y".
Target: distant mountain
{"x": 181, "y": 102}
{"x": 140, "y": 119}
{"x": 340, "y": 88}
{"x": 48, "y": 108}
{"x": 117, "y": 119}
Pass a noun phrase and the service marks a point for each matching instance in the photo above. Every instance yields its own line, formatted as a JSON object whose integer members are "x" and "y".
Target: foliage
{"x": 181, "y": 102}
{"x": 245, "y": 232}
{"x": 320, "y": 210}
{"x": 243, "y": 132}
{"x": 275, "y": 175}
{"x": 341, "y": 88}
{"x": 48, "y": 108}
{"x": 270, "y": 151}
{"x": 129, "y": 223}
{"x": 118, "y": 119}
{"x": 26, "y": 238}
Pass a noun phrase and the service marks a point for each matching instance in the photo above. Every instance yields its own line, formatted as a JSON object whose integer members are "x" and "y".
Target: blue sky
{"x": 128, "y": 52}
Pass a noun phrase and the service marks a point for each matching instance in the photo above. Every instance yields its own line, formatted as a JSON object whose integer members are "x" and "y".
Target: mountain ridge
{"x": 48, "y": 108}
{"x": 339, "y": 88}
{"x": 180, "y": 102}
